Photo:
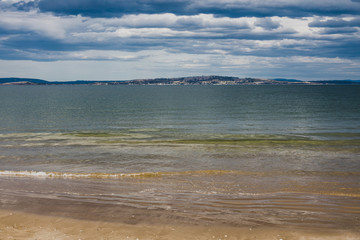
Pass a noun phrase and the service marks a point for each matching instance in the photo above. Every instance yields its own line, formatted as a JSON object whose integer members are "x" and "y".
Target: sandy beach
{"x": 18, "y": 225}
{"x": 171, "y": 207}
{"x": 149, "y": 163}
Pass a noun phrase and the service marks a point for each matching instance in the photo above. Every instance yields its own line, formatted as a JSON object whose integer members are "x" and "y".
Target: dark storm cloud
{"x": 26, "y": 6}
{"x": 254, "y": 8}
{"x": 336, "y": 23}
{"x": 284, "y": 10}
{"x": 111, "y": 8}
{"x": 33, "y": 42}
{"x": 29, "y": 41}
{"x": 267, "y": 23}
{"x": 349, "y": 48}
{"x": 339, "y": 30}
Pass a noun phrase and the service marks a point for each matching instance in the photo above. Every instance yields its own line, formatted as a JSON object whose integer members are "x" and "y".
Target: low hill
{"x": 22, "y": 80}
{"x": 195, "y": 80}
{"x": 204, "y": 80}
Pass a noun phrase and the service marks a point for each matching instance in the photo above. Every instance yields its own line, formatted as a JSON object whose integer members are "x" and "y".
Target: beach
{"x": 179, "y": 162}
{"x": 19, "y": 225}
{"x": 159, "y": 207}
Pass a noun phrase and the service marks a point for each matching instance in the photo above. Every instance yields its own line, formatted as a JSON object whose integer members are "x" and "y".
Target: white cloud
{"x": 151, "y": 32}
{"x": 43, "y": 24}
{"x": 77, "y": 29}
{"x": 102, "y": 55}
{"x": 307, "y": 59}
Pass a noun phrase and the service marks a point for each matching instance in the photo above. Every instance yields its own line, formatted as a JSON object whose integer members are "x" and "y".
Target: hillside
{"x": 195, "y": 80}
{"x": 22, "y": 81}
{"x": 205, "y": 80}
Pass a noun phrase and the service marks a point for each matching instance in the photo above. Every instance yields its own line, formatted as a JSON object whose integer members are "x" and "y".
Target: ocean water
{"x": 233, "y": 155}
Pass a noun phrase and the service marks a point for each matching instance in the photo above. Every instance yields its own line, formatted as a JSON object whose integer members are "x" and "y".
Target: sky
{"x": 133, "y": 39}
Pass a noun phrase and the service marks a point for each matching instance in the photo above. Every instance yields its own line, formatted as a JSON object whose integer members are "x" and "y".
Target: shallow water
{"x": 231, "y": 155}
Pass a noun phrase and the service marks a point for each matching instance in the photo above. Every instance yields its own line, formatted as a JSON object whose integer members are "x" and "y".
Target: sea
{"x": 267, "y": 155}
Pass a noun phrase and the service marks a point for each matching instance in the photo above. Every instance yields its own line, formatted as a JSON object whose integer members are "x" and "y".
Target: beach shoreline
{"x": 38, "y": 209}
{"x": 239, "y": 162}
{"x": 20, "y": 225}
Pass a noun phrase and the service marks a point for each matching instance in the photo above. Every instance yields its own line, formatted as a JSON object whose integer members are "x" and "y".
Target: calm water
{"x": 194, "y": 109}
{"x": 223, "y": 154}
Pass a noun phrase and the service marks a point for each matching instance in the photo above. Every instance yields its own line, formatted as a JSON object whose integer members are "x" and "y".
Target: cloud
{"x": 169, "y": 20}
{"x": 111, "y": 8}
{"x": 38, "y": 36}
{"x": 267, "y": 23}
{"x": 336, "y": 23}
{"x": 341, "y": 31}
{"x": 182, "y": 35}
{"x": 26, "y": 5}
{"x": 42, "y": 24}
{"x": 344, "y": 27}
{"x": 229, "y": 8}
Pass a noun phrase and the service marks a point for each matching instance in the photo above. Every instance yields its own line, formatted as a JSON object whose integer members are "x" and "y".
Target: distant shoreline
{"x": 196, "y": 80}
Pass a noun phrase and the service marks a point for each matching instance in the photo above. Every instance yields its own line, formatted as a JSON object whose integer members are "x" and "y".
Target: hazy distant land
{"x": 195, "y": 80}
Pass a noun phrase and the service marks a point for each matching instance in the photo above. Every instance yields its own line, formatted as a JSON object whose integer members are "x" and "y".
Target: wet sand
{"x": 19, "y": 225}
{"x": 180, "y": 207}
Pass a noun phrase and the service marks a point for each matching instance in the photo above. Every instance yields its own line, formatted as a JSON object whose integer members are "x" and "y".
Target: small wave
{"x": 72, "y": 175}
{"x": 330, "y": 193}
{"x": 40, "y": 174}
{"x": 43, "y": 174}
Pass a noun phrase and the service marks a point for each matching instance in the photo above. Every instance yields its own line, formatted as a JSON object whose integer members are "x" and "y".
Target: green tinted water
{"x": 179, "y": 128}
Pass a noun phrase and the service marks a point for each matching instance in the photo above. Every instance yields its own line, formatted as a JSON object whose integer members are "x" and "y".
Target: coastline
{"x": 20, "y": 225}
{"x": 191, "y": 80}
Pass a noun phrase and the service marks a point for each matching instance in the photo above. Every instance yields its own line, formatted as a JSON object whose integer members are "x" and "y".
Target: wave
{"x": 330, "y": 193}
{"x": 171, "y": 137}
{"x": 42, "y": 174}
{"x": 97, "y": 175}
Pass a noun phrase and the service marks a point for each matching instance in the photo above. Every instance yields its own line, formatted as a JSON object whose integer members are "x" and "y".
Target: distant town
{"x": 195, "y": 80}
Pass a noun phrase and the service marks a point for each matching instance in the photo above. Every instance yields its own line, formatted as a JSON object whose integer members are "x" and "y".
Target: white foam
{"x": 41, "y": 174}
{"x": 24, "y": 174}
